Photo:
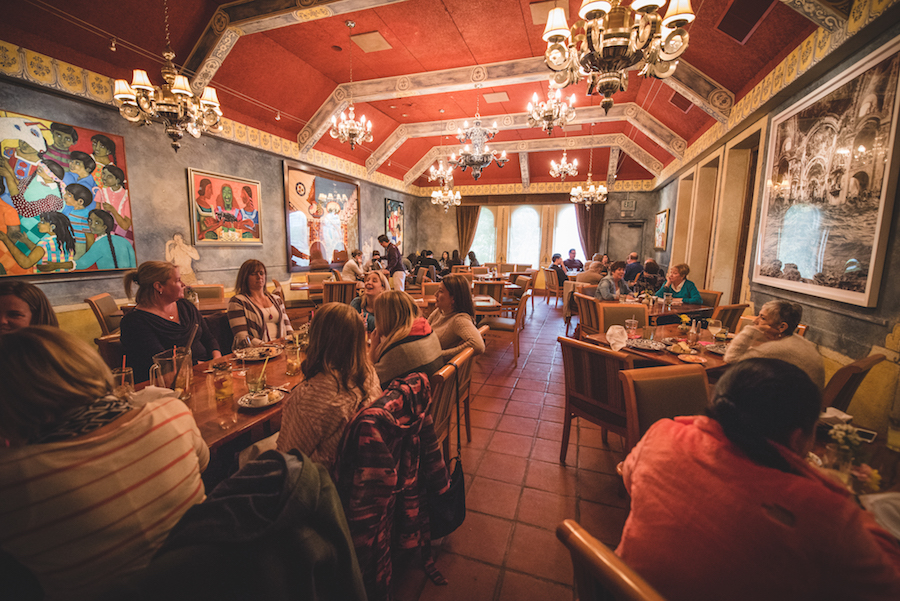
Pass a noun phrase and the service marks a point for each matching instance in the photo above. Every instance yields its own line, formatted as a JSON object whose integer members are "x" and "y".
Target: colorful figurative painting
{"x": 322, "y": 217}
{"x": 225, "y": 210}
{"x": 393, "y": 221}
{"x": 831, "y": 179}
{"x": 64, "y": 198}
{"x": 661, "y": 231}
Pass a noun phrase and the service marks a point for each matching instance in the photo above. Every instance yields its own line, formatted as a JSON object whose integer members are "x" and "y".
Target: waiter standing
{"x": 395, "y": 268}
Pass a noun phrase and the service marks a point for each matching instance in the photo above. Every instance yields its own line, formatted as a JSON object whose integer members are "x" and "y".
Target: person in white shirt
{"x": 352, "y": 270}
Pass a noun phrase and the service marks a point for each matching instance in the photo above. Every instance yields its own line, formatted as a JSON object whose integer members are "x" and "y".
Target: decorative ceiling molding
{"x": 612, "y": 168}
{"x": 628, "y": 112}
{"x": 621, "y": 141}
{"x": 231, "y": 21}
{"x": 523, "y": 168}
{"x": 715, "y": 100}
{"x": 830, "y": 15}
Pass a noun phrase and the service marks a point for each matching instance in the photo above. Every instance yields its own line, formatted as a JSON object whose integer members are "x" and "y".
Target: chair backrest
{"x": 337, "y": 274}
{"x": 588, "y": 313}
{"x": 515, "y": 275}
{"x": 462, "y": 361}
{"x": 505, "y": 267}
{"x": 480, "y": 270}
{"x": 484, "y": 330}
{"x": 421, "y": 274}
{"x": 459, "y": 269}
{"x": 468, "y": 275}
{"x": 843, "y": 384}
{"x": 338, "y": 292}
{"x": 525, "y": 283}
{"x": 710, "y": 297}
{"x": 522, "y": 266}
{"x": 492, "y": 289}
{"x": 730, "y": 315}
{"x": 430, "y": 288}
{"x": 520, "y": 310}
{"x": 599, "y": 573}
{"x": 551, "y": 281}
{"x": 592, "y": 382}
{"x": 220, "y": 328}
{"x": 443, "y": 396}
{"x": 746, "y": 320}
{"x": 111, "y": 350}
{"x": 801, "y": 329}
{"x": 277, "y": 289}
{"x": 494, "y": 266}
{"x": 655, "y": 393}
{"x": 615, "y": 314}
{"x": 212, "y": 291}
{"x": 317, "y": 277}
{"x": 340, "y": 256}
{"x": 104, "y": 307}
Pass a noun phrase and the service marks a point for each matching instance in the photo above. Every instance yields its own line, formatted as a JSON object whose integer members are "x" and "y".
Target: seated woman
{"x": 444, "y": 262}
{"x": 473, "y": 261}
{"x": 680, "y": 287}
{"x": 375, "y": 283}
{"x": 402, "y": 342}
{"x": 90, "y": 484}
{"x": 22, "y": 305}
{"x": 649, "y": 280}
{"x": 772, "y": 335}
{"x": 163, "y": 319}
{"x": 253, "y": 313}
{"x": 453, "y": 319}
{"x": 339, "y": 381}
{"x": 769, "y": 526}
{"x": 614, "y": 284}
{"x": 353, "y": 271}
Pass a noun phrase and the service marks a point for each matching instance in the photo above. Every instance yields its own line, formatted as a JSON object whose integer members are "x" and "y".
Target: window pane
{"x": 566, "y": 234}
{"x": 485, "y": 244}
{"x": 524, "y": 236}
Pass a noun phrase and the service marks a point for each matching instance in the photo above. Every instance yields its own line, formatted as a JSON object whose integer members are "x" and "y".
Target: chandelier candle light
{"x": 480, "y": 155}
{"x": 615, "y": 40}
{"x": 445, "y": 196}
{"x": 564, "y": 168}
{"x": 550, "y": 114}
{"x": 349, "y": 130}
{"x": 591, "y": 193}
{"x": 173, "y": 104}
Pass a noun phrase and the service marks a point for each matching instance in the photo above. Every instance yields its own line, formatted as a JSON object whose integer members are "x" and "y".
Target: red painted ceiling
{"x": 294, "y": 69}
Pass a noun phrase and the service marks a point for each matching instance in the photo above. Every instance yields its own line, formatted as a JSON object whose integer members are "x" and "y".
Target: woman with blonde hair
{"x": 254, "y": 313}
{"x": 374, "y": 284}
{"x": 21, "y": 305}
{"x": 90, "y": 484}
{"x": 162, "y": 319}
{"x": 402, "y": 342}
{"x": 453, "y": 319}
{"x": 339, "y": 381}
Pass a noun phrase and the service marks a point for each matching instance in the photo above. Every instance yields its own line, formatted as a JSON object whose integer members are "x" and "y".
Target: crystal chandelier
{"x": 564, "y": 168}
{"x": 349, "y": 130}
{"x": 615, "y": 40}
{"x": 443, "y": 173}
{"x": 446, "y": 197}
{"x": 592, "y": 193}
{"x": 480, "y": 155}
{"x": 173, "y": 104}
{"x": 550, "y": 114}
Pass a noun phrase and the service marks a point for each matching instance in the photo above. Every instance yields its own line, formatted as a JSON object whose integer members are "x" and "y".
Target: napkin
{"x": 616, "y": 337}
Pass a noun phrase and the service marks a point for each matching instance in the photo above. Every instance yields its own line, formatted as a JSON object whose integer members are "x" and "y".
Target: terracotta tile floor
{"x": 516, "y": 489}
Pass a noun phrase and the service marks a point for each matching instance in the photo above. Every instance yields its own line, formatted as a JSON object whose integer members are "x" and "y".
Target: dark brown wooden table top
{"x": 664, "y": 357}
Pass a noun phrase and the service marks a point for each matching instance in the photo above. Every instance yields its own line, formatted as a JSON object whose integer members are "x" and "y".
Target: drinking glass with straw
{"x": 123, "y": 381}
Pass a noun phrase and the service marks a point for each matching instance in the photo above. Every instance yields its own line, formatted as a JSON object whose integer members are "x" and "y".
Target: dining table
{"x": 693, "y": 311}
{"x": 710, "y": 361}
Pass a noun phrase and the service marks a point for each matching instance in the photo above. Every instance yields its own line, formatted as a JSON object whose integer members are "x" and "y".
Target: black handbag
{"x": 447, "y": 511}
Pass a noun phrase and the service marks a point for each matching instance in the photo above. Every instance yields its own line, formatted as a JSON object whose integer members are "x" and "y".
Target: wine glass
{"x": 237, "y": 344}
{"x": 714, "y": 326}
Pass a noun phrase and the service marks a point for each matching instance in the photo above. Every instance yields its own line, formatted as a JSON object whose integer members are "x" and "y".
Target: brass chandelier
{"x": 613, "y": 40}
{"x": 349, "y": 130}
{"x": 552, "y": 113}
{"x": 173, "y": 104}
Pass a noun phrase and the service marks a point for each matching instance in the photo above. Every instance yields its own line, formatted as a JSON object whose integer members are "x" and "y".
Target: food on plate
{"x": 680, "y": 347}
{"x": 692, "y": 358}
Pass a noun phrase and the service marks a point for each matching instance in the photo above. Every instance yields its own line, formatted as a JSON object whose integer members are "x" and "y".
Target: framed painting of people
{"x": 831, "y": 173}
{"x": 225, "y": 210}
{"x": 65, "y": 202}
{"x": 322, "y": 213}
{"x": 661, "y": 230}
{"x": 393, "y": 221}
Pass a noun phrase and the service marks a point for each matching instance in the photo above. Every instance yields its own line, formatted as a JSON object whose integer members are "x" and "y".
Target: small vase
{"x": 683, "y": 328}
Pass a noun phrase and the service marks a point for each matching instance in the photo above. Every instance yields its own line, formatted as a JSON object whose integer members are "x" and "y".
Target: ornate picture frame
{"x": 394, "y": 225}
{"x": 225, "y": 210}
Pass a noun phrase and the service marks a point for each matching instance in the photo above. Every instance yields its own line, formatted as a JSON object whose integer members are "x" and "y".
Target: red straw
{"x": 123, "y": 370}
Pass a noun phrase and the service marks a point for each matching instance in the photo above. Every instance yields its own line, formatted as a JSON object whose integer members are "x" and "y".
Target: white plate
{"x": 718, "y": 349}
{"x": 646, "y": 345}
{"x": 257, "y": 353}
{"x": 245, "y": 401}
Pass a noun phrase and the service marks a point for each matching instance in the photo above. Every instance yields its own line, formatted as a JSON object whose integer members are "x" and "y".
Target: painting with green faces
{"x": 225, "y": 210}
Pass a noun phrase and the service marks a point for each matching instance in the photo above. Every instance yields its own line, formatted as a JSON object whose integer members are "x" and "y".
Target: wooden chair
{"x": 710, "y": 297}
{"x": 615, "y": 314}
{"x": 214, "y": 292}
{"x": 522, "y": 267}
{"x": 220, "y": 328}
{"x": 459, "y": 269}
{"x": 494, "y": 266}
{"x": 551, "y": 286}
{"x": 468, "y": 275}
{"x": 337, "y": 275}
{"x": 463, "y": 363}
{"x": 730, "y": 315}
{"x": 430, "y": 288}
{"x": 507, "y": 267}
{"x": 593, "y": 391}
{"x": 317, "y": 277}
{"x": 600, "y": 575}
{"x": 111, "y": 350}
{"x": 655, "y": 393}
{"x": 443, "y": 397}
{"x": 512, "y": 300}
{"x": 106, "y": 311}
{"x": 801, "y": 329}
{"x": 588, "y": 315}
{"x": 483, "y": 270}
{"x": 414, "y": 286}
{"x": 843, "y": 384}
{"x": 340, "y": 256}
{"x": 508, "y": 327}
{"x": 338, "y": 292}
{"x": 495, "y": 291}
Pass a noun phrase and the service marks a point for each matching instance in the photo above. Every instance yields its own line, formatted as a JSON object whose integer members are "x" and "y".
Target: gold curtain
{"x": 466, "y": 224}
{"x": 590, "y": 227}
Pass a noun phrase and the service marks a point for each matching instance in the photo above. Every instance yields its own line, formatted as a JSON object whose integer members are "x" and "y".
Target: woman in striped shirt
{"x": 253, "y": 312}
{"x": 90, "y": 482}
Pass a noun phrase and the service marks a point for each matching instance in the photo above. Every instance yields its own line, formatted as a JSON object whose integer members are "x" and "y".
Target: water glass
{"x": 649, "y": 332}
{"x": 292, "y": 355}
{"x": 223, "y": 385}
{"x": 631, "y": 328}
{"x": 667, "y": 299}
{"x": 256, "y": 377}
{"x": 123, "y": 382}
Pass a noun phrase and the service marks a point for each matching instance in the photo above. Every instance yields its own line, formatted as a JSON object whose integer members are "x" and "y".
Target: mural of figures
{"x": 322, "y": 214}
{"x": 829, "y": 194}
{"x": 52, "y": 177}
{"x": 225, "y": 210}
{"x": 394, "y": 226}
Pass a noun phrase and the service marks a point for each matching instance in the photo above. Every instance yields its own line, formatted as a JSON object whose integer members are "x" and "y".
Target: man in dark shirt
{"x": 395, "y": 268}
{"x": 557, "y": 266}
{"x": 429, "y": 261}
{"x": 572, "y": 262}
{"x": 632, "y": 267}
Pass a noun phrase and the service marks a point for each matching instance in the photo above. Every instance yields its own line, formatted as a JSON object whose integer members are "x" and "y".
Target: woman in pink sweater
{"x": 725, "y": 506}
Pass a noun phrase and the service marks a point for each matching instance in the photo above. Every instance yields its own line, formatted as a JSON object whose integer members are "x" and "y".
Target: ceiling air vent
{"x": 742, "y": 18}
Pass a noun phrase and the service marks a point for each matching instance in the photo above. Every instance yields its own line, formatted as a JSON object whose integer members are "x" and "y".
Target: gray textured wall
{"x": 644, "y": 210}
{"x": 667, "y": 199}
{"x": 158, "y": 187}
{"x": 436, "y": 230}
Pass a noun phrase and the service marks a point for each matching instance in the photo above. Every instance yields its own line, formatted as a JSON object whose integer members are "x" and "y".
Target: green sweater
{"x": 688, "y": 293}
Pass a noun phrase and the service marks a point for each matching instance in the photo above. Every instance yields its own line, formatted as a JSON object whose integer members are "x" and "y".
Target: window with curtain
{"x": 565, "y": 236}
{"x": 485, "y": 244}
{"x": 524, "y": 245}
